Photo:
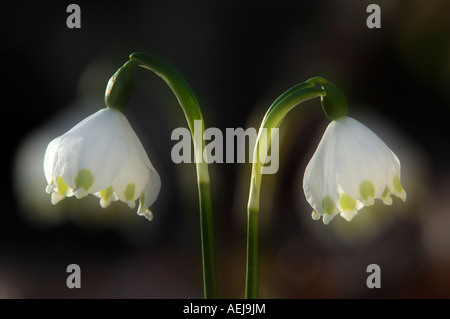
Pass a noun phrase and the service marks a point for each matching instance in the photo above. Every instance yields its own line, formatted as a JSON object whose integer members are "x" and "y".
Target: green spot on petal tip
{"x": 61, "y": 185}
{"x": 328, "y": 205}
{"x": 397, "y": 184}
{"x": 367, "y": 190}
{"x": 84, "y": 179}
{"x": 347, "y": 203}
{"x": 129, "y": 192}
{"x": 142, "y": 200}
{"x": 106, "y": 193}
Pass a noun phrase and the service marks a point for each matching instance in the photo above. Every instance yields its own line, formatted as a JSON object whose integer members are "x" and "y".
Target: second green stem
{"x": 272, "y": 119}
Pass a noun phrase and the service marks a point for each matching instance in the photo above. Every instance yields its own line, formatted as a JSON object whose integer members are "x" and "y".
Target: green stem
{"x": 207, "y": 239}
{"x": 191, "y": 109}
{"x": 272, "y": 119}
{"x": 252, "y": 267}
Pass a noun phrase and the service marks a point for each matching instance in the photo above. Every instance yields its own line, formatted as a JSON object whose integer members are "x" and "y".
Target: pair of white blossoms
{"x": 103, "y": 156}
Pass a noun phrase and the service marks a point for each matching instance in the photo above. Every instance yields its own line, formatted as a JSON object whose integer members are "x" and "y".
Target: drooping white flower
{"x": 351, "y": 168}
{"x": 102, "y": 155}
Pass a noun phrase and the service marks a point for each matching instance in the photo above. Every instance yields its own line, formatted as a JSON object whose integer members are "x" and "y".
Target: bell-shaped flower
{"x": 102, "y": 155}
{"x": 351, "y": 168}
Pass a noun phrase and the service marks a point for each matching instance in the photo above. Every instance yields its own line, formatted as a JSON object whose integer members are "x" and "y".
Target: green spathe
{"x": 334, "y": 103}
{"x": 119, "y": 88}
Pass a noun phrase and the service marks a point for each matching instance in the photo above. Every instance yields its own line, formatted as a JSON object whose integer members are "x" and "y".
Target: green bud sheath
{"x": 118, "y": 90}
{"x": 334, "y": 103}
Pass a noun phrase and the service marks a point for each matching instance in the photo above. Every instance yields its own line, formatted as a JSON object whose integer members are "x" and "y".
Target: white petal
{"x": 80, "y": 193}
{"x": 320, "y": 179}
{"x": 131, "y": 180}
{"x": 328, "y": 217}
{"x": 147, "y": 184}
{"x": 150, "y": 193}
{"x": 106, "y": 196}
{"x": 50, "y": 160}
{"x": 315, "y": 215}
{"x": 364, "y": 158}
{"x": 50, "y": 188}
{"x": 396, "y": 187}
{"x": 56, "y": 198}
{"x": 136, "y": 142}
{"x": 348, "y": 215}
{"x": 97, "y": 144}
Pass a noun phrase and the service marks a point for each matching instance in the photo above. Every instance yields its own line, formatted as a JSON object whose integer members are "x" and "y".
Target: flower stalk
{"x": 117, "y": 95}
{"x": 272, "y": 119}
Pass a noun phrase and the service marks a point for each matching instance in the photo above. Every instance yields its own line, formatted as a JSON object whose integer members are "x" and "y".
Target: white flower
{"x": 349, "y": 170}
{"x": 102, "y": 155}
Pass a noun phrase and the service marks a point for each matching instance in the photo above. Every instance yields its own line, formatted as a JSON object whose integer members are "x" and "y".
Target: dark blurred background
{"x": 238, "y": 57}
